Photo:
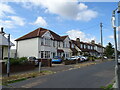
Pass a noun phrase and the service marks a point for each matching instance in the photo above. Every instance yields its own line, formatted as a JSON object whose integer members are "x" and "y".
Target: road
{"x": 93, "y": 76}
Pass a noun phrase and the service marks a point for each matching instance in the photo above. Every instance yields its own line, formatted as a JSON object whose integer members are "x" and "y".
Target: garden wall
{"x": 68, "y": 62}
{"x": 18, "y": 68}
{"x": 45, "y": 62}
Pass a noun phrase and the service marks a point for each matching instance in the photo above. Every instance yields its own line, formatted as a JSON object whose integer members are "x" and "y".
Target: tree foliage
{"x": 109, "y": 50}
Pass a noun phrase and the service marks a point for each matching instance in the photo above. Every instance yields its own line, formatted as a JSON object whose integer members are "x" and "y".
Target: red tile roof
{"x": 60, "y": 50}
{"x": 64, "y": 37}
{"x": 38, "y": 33}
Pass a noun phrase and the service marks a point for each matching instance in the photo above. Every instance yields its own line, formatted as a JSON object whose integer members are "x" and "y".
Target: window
{"x": 53, "y": 43}
{"x": 72, "y": 46}
{"x": 84, "y": 46}
{"x": 42, "y": 41}
{"x": 59, "y": 44}
{"x": 81, "y": 46}
{"x": 63, "y": 44}
{"x": 47, "y": 54}
{"x": 42, "y": 54}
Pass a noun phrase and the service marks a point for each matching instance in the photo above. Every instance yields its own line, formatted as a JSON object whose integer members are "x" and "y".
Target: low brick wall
{"x": 68, "y": 62}
{"x": 18, "y": 68}
{"x": 45, "y": 62}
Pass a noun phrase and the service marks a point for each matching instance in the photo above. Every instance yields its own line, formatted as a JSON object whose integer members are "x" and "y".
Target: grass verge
{"x": 108, "y": 87}
{"x": 21, "y": 77}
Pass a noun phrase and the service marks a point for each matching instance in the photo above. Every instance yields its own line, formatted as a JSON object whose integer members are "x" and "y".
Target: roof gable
{"x": 38, "y": 33}
{"x": 4, "y": 41}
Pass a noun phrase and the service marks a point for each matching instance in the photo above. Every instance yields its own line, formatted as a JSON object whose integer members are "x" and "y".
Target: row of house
{"x": 44, "y": 43}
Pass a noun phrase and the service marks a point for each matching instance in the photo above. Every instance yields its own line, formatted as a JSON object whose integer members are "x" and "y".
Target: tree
{"x": 109, "y": 50}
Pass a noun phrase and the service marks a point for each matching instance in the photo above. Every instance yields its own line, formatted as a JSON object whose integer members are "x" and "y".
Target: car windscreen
{"x": 56, "y": 57}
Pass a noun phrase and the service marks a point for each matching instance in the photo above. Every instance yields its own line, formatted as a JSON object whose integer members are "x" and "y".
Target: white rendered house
{"x": 42, "y": 43}
{"x": 4, "y": 45}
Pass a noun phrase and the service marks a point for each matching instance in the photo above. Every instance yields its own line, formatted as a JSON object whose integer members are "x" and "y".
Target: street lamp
{"x": 117, "y": 68}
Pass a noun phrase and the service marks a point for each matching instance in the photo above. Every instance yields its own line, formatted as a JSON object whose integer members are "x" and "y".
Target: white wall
{"x": 12, "y": 53}
{"x": 5, "y": 51}
{"x": 67, "y": 49}
{"x": 47, "y": 47}
{"x": 28, "y": 47}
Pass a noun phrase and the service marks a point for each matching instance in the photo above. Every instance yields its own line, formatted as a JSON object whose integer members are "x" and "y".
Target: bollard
{"x": 39, "y": 67}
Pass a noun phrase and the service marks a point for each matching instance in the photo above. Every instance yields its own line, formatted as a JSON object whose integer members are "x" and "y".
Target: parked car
{"x": 105, "y": 57}
{"x": 119, "y": 60}
{"x": 73, "y": 58}
{"x": 34, "y": 60}
{"x": 86, "y": 58}
{"x": 56, "y": 59}
{"x": 81, "y": 58}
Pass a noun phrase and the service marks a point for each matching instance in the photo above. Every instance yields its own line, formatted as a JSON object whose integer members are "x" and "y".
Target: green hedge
{"x": 91, "y": 58}
{"x": 22, "y": 60}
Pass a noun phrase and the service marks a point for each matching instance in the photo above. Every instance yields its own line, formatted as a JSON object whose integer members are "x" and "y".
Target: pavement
{"x": 93, "y": 76}
{"x": 54, "y": 68}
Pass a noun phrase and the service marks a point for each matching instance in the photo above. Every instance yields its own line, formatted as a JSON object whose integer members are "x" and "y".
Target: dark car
{"x": 33, "y": 59}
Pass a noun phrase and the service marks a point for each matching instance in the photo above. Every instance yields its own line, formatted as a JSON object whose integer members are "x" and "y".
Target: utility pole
{"x": 8, "y": 63}
{"x": 101, "y": 25}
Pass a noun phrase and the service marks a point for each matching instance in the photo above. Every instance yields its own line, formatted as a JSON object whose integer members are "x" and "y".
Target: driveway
{"x": 93, "y": 76}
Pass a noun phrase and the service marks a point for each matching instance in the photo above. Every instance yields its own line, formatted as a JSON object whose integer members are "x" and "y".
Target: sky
{"x": 64, "y": 17}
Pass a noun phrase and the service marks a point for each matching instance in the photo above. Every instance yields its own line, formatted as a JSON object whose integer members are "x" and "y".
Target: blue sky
{"x": 63, "y": 17}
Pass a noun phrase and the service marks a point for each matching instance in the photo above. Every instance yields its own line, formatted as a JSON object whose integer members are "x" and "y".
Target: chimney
{"x": 93, "y": 42}
{"x": 99, "y": 43}
{"x": 78, "y": 41}
{"x": 2, "y": 32}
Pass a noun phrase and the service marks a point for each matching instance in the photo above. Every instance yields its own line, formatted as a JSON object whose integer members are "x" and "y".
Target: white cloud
{"x": 73, "y": 34}
{"x": 69, "y": 10}
{"x": 111, "y": 37}
{"x": 64, "y": 8}
{"x": 12, "y": 22}
{"x": 4, "y": 8}
{"x": 69, "y": 0}
{"x": 40, "y": 21}
{"x": 17, "y": 20}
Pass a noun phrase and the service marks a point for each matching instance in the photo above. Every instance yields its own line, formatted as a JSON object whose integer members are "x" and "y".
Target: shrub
{"x": 17, "y": 61}
{"x": 23, "y": 60}
{"x": 91, "y": 58}
{"x": 14, "y": 61}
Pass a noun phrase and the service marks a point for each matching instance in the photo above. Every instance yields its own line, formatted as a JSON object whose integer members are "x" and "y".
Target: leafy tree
{"x": 109, "y": 50}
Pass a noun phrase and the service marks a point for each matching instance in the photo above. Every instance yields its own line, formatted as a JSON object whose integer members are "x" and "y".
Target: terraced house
{"x": 43, "y": 43}
{"x": 90, "y": 48}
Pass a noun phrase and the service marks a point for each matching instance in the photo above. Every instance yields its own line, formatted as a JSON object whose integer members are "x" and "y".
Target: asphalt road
{"x": 93, "y": 76}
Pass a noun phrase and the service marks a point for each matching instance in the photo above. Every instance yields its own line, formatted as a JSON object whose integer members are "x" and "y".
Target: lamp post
{"x": 117, "y": 68}
{"x": 118, "y": 72}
